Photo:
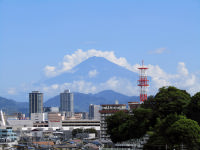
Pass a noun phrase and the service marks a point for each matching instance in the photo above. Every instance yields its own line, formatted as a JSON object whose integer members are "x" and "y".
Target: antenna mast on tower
{"x": 143, "y": 82}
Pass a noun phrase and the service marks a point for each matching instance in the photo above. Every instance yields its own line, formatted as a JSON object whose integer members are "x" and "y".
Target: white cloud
{"x": 182, "y": 69}
{"x": 92, "y": 73}
{"x": 54, "y": 86}
{"x": 83, "y": 86}
{"x": 111, "y": 83}
{"x": 50, "y": 71}
{"x": 75, "y": 86}
{"x": 158, "y": 51}
{"x": 190, "y": 81}
{"x": 120, "y": 85}
{"x": 181, "y": 79}
{"x": 79, "y": 56}
{"x": 12, "y": 91}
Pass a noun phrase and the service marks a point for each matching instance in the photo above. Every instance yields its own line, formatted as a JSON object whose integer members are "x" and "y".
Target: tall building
{"x": 94, "y": 112}
{"x": 67, "y": 103}
{"x": 35, "y": 102}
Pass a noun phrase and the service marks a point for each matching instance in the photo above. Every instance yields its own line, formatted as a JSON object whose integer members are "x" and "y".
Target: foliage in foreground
{"x": 165, "y": 116}
{"x": 122, "y": 126}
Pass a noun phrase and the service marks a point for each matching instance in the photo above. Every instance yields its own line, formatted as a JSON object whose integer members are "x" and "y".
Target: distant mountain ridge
{"x": 11, "y": 106}
{"x": 82, "y": 101}
{"x": 90, "y": 76}
{"x": 93, "y": 74}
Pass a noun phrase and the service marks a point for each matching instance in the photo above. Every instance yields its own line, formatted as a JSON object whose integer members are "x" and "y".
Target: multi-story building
{"x": 81, "y": 123}
{"x": 84, "y": 115}
{"x": 35, "y": 102}
{"x": 108, "y": 110}
{"x": 133, "y": 105}
{"x": 94, "y": 112}
{"x": 50, "y": 109}
{"x": 37, "y": 117}
{"x": 55, "y": 119}
{"x": 41, "y": 124}
{"x": 7, "y": 135}
{"x": 67, "y": 103}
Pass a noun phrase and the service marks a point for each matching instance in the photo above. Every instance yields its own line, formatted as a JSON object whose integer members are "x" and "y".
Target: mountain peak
{"x": 95, "y": 74}
{"x": 96, "y": 60}
{"x": 93, "y": 58}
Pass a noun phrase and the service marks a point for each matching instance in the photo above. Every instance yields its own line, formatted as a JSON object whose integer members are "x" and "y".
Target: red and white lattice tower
{"x": 143, "y": 82}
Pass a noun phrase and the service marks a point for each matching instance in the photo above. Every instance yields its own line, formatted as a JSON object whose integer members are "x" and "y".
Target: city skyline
{"x": 43, "y": 39}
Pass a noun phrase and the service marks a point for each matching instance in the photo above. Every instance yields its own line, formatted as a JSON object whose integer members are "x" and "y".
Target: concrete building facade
{"x": 37, "y": 117}
{"x": 67, "y": 103}
{"x": 94, "y": 112}
{"x": 55, "y": 119}
{"x": 35, "y": 102}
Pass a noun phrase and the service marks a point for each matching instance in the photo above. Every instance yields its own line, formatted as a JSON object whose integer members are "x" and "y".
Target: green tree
{"x": 78, "y": 130}
{"x": 155, "y": 142}
{"x": 91, "y": 130}
{"x": 142, "y": 121}
{"x": 184, "y": 131}
{"x": 159, "y": 139}
{"x": 116, "y": 128}
{"x": 174, "y": 131}
{"x": 157, "y": 115}
{"x": 193, "y": 110}
{"x": 170, "y": 100}
{"x": 122, "y": 126}
{"x": 75, "y": 131}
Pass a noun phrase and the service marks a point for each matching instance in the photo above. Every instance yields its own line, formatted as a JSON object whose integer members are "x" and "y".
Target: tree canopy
{"x": 165, "y": 116}
{"x": 184, "y": 131}
{"x": 118, "y": 126}
{"x": 79, "y": 130}
{"x": 193, "y": 111}
{"x": 122, "y": 126}
{"x": 169, "y": 100}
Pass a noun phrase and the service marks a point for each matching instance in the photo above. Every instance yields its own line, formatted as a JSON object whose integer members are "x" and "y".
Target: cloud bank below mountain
{"x": 181, "y": 79}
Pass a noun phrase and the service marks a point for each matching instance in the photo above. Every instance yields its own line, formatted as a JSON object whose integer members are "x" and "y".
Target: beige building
{"x": 55, "y": 119}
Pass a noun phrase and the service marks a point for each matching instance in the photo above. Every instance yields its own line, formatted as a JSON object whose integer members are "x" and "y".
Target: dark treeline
{"x": 171, "y": 118}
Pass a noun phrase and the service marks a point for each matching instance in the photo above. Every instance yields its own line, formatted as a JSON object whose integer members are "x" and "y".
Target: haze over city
{"x": 40, "y": 40}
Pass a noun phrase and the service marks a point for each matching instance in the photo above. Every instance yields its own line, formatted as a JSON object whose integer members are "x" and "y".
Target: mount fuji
{"x": 94, "y": 81}
{"x": 92, "y": 76}
{"x": 109, "y": 81}
{"x": 95, "y": 70}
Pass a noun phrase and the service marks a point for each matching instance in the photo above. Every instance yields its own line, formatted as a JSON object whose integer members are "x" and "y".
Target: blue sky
{"x": 35, "y": 34}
